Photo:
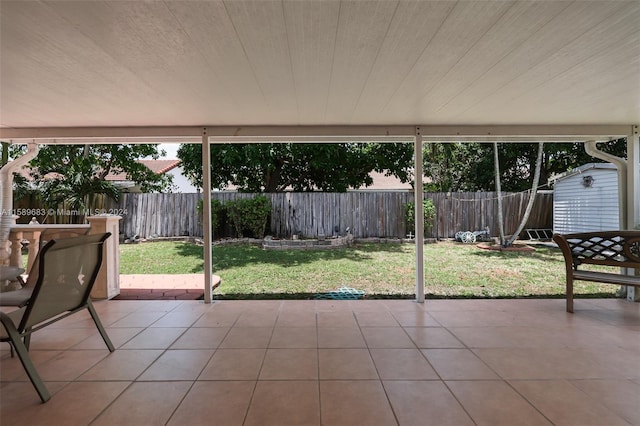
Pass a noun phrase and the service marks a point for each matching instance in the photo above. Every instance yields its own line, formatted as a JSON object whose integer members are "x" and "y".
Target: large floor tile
{"x": 495, "y": 403}
{"x": 367, "y": 305}
{"x": 458, "y": 364}
{"x": 550, "y": 363}
{"x": 425, "y": 403}
{"x": 290, "y": 364}
{"x": 386, "y": 337}
{"x": 433, "y": 337}
{"x": 11, "y": 369}
{"x": 620, "y": 396}
{"x": 247, "y": 337}
{"x": 576, "y": 408}
{"x": 178, "y": 319}
{"x": 178, "y": 364}
{"x": 257, "y": 319}
{"x": 417, "y": 318}
{"x": 294, "y": 337}
{"x": 473, "y": 318}
{"x": 346, "y": 364}
{"x": 60, "y": 338}
{"x": 280, "y": 403}
{"x": 155, "y": 338}
{"x": 123, "y": 364}
{"x": 340, "y": 337}
{"x": 296, "y": 318}
{"x": 361, "y": 402}
{"x": 402, "y": 364}
{"x": 148, "y": 403}
{"x": 118, "y": 336}
{"x": 139, "y": 319}
{"x": 223, "y": 403}
{"x": 77, "y": 403}
{"x": 201, "y": 338}
{"x": 217, "y": 318}
{"x": 69, "y": 365}
{"x": 234, "y": 364}
{"x": 376, "y": 319}
{"x": 336, "y": 319}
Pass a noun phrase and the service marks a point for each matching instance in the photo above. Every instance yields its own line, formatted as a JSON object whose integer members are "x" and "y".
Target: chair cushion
{"x": 16, "y": 297}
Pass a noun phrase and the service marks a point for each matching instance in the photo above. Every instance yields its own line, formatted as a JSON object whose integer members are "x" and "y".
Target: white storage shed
{"x": 585, "y": 199}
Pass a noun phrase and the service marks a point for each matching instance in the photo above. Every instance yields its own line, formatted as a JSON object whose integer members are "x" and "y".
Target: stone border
{"x": 310, "y": 244}
{"x": 498, "y": 247}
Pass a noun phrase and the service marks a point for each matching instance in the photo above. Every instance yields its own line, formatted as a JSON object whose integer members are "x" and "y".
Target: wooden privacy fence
{"x": 366, "y": 214}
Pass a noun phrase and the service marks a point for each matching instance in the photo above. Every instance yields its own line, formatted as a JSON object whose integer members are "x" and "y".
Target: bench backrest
{"x": 609, "y": 248}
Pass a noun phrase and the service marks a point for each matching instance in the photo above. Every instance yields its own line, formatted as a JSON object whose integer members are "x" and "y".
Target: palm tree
{"x": 76, "y": 188}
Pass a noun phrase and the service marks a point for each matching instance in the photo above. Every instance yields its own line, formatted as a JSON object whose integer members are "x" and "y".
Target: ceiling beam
{"x": 193, "y": 134}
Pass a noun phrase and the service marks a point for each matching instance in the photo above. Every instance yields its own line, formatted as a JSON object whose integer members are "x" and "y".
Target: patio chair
{"x": 66, "y": 272}
{"x": 20, "y": 297}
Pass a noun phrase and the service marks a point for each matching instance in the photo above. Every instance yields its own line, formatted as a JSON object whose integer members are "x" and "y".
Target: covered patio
{"x": 326, "y": 71}
{"x": 377, "y": 362}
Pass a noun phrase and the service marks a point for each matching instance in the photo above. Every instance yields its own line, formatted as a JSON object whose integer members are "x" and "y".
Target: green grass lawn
{"x": 451, "y": 270}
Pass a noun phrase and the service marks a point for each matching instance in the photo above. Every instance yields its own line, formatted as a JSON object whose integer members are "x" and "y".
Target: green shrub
{"x": 218, "y": 213}
{"x": 249, "y": 214}
{"x": 429, "y": 215}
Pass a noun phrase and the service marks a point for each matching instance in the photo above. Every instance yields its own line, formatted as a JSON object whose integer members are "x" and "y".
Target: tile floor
{"x": 379, "y": 362}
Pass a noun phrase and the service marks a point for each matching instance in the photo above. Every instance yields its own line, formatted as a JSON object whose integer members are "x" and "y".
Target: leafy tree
{"x": 273, "y": 167}
{"x": 72, "y": 175}
{"x": 470, "y": 166}
{"x": 450, "y": 166}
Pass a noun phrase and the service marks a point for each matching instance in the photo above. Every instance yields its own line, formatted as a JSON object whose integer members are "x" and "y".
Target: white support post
{"x": 419, "y": 218}
{"x": 206, "y": 216}
{"x": 633, "y": 178}
{"x": 633, "y": 194}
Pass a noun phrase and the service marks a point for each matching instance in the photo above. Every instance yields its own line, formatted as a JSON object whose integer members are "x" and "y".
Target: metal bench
{"x": 619, "y": 249}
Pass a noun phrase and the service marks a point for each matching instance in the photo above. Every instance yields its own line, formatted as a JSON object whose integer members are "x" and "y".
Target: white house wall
{"x": 577, "y": 208}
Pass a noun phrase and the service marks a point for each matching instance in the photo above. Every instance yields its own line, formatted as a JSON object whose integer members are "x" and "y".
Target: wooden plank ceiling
{"x": 290, "y": 63}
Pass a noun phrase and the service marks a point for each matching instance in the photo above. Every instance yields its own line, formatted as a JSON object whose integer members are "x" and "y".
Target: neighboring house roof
{"x": 156, "y": 166}
{"x": 380, "y": 183}
{"x": 385, "y": 183}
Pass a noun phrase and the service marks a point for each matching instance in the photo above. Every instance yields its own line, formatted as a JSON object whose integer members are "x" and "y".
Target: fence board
{"x": 366, "y": 213}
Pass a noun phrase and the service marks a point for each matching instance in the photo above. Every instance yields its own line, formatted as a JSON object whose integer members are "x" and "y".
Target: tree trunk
{"x": 5, "y": 154}
{"x": 534, "y": 189}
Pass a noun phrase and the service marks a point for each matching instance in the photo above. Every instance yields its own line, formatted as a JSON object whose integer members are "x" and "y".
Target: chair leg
{"x": 27, "y": 338}
{"x": 29, "y": 368}
{"x": 569, "y": 295}
{"x": 103, "y": 332}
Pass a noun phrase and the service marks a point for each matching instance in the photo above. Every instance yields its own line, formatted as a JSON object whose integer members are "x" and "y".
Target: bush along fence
{"x": 365, "y": 214}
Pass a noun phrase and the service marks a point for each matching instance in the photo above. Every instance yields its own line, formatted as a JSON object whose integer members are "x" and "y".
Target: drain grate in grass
{"x": 343, "y": 293}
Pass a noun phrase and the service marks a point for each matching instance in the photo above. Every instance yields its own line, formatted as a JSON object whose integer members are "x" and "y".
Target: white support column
{"x": 419, "y": 218}
{"x": 633, "y": 178}
{"x": 633, "y": 195}
{"x": 206, "y": 216}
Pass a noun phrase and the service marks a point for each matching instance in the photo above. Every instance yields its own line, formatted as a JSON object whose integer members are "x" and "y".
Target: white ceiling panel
{"x": 311, "y": 36}
{"x": 318, "y": 62}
